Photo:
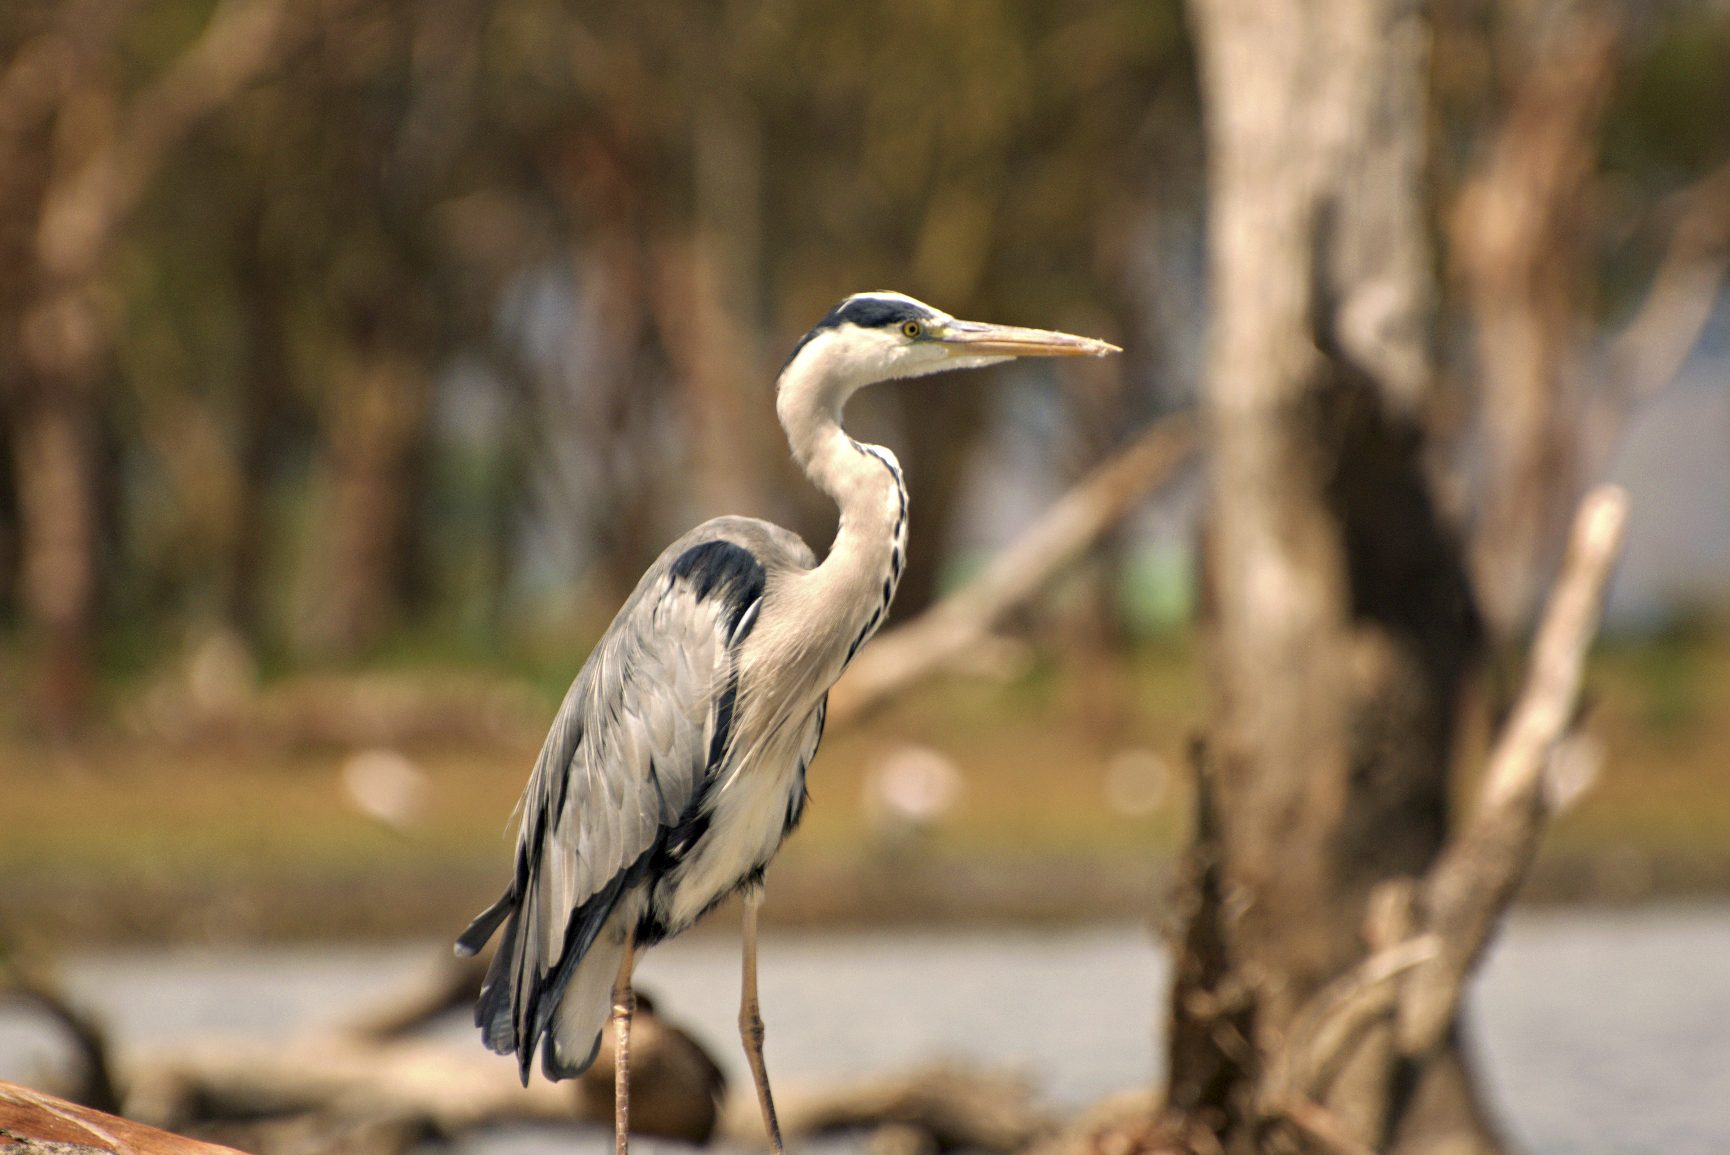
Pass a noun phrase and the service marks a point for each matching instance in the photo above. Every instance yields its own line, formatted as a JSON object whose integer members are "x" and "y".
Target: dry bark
{"x": 32, "y": 1123}
{"x": 1339, "y": 619}
{"x": 1330, "y": 924}
{"x": 1428, "y": 934}
{"x": 1463, "y": 897}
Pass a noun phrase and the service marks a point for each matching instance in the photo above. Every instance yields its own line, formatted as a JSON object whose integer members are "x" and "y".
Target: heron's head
{"x": 881, "y": 336}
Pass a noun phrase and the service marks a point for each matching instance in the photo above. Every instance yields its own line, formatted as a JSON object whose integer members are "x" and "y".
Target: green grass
{"x": 123, "y": 821}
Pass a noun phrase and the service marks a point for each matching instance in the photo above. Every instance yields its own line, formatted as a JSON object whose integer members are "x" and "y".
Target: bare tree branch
{"x": 957, "y": 1107}
{"x": 1015, "y": 576}
{"x": 241, "y": 41}
{"x": 1322, "y": 1126}
{"x": 1427, "y": 935}
{"x": 1471, "y": 884}
{"x": 443, "y": 987}
{"x": 349, "y": 1083}
{"x": 1650, "y": 350}
{"x": 1335, "y": 1019}
{"x": 453, "y": 1089}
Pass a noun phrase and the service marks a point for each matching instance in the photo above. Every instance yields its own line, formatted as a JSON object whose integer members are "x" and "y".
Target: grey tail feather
{"x": 554, "y": 1070}
{"x": 493, "y": 1009}
{"x": 470, "y": 942}
{"x": 519, "y": 1022}
{"x": 515, "y": 1011}
{"x": 541, "y": 1002}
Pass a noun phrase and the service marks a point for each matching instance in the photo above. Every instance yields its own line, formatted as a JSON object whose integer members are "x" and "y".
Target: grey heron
{"x": 676, "y": 765}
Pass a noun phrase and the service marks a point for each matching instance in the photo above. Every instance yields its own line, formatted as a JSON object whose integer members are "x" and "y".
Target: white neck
{"x": 863, "y": 480}
{"x": 808, "y": 400}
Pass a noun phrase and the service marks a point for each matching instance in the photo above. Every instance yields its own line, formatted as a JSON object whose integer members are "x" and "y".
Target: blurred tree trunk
{"x": 603, "y": 406}
{"x": 1520, "y": 234}
{"x": 60, "y": 114}
{"x": 1340, "y": 624}
{"x": 54, "y": 454}
{"x": 262, "y": 436}
{"x": 710, "y": 313}
{"x": 387, "y": 312}
{"x": 375, "y": 420}
{"x": 90, "y": 151}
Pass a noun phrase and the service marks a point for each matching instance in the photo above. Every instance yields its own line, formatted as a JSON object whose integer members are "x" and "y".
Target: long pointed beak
{"x": 970, "y": 338}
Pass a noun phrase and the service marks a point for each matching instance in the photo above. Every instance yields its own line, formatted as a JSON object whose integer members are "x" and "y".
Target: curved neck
{"x": 811, "y": 417}
{"x": 864, "y": 481}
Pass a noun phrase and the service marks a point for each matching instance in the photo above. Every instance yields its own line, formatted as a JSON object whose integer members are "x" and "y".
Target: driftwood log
{"x": 34, "y": 1123}
{"x": 940, "y": 1108}
{"x": 376, "y": 1086}
{"x": 383, "y": 1097}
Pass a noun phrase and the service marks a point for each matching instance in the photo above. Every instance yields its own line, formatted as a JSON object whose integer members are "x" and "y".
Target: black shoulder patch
{"x": 727, "y": 570}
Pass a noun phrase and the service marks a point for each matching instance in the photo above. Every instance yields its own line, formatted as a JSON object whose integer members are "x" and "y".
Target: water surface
{"x": 1599, "y": 1032}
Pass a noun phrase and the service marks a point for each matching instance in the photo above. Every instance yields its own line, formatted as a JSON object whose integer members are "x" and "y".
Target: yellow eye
{"x": 911, "y": 329}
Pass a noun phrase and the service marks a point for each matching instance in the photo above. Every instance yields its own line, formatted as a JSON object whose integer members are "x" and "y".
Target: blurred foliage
{"x": 416, "y": 327}
{"x": 1667, "y": 120}
{"x": 441, "y": 285}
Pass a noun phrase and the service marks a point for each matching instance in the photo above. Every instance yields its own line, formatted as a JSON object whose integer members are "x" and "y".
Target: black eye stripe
{"x": 876, "y": 313}
{"x": 867, "y": 313}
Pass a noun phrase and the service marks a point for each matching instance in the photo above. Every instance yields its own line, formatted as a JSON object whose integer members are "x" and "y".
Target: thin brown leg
{"x": 624, "y": 1005}
{"x": 751, "y": 1022}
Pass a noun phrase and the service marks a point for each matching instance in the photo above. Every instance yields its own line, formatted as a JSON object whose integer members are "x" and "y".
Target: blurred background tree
{"x": 353, "y": 335}
{"x": 294, "y": 284}
{"x": 337, "y": 323}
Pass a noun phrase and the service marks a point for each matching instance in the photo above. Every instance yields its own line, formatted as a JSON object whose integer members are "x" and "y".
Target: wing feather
{"x": 633, "y": 752}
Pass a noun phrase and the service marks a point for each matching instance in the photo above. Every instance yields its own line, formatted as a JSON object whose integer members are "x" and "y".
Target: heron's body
{"x": 676, "y": 765}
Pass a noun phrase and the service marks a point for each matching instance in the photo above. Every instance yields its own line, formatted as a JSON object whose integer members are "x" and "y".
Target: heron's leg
{"x": 624, "y": 1005}
{"x": 751, "y": 1022}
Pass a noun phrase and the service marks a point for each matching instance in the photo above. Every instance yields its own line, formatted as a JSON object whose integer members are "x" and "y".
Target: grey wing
{"x": 641, "y": 731}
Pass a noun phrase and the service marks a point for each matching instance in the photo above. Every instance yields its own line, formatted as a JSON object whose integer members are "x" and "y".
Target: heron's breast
{"x": 748, "y": 818}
